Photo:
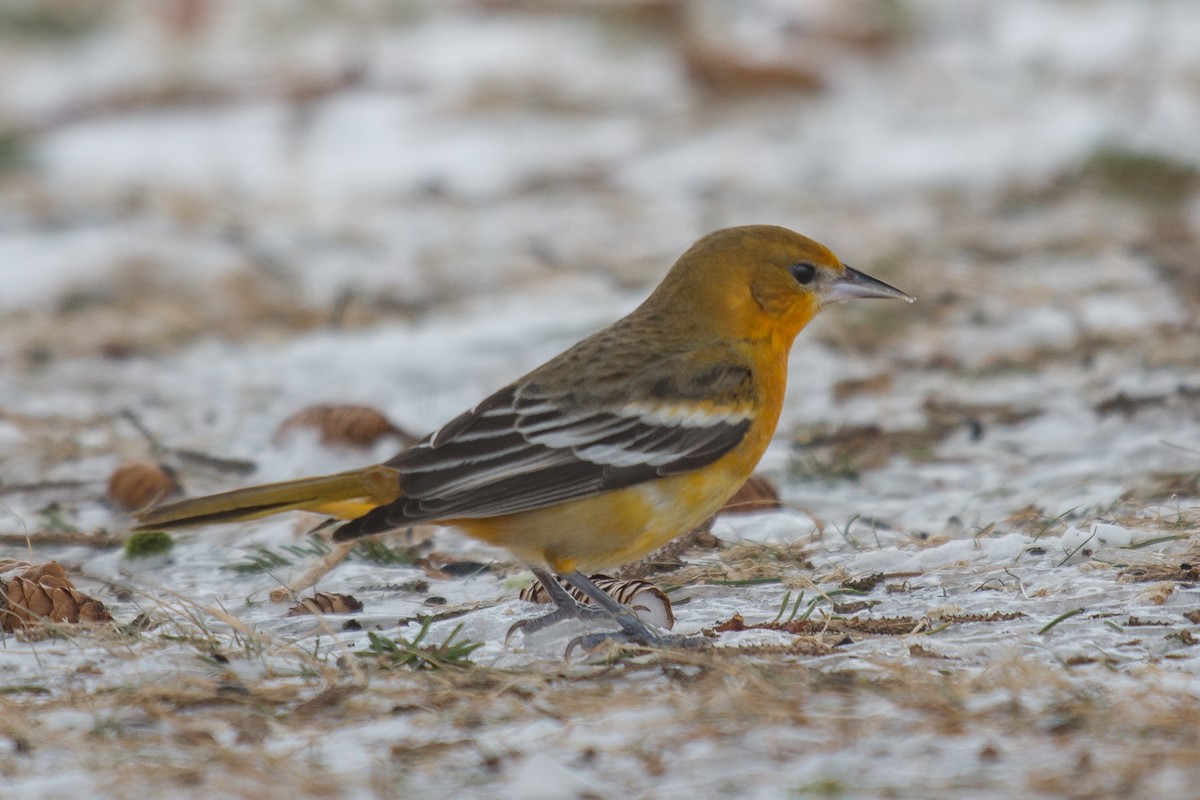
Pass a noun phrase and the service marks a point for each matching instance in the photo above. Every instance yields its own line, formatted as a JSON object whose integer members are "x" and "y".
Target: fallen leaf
{"x": 135, "y": 485}
{"x": 756, "y": 494}
{"x": 345, "y": 425}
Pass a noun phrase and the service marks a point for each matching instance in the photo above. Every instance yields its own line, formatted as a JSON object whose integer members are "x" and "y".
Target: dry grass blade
{"x": 317, "y": 570}
{"x": 1181, "y": 571}
{"x": 747, "y": 563}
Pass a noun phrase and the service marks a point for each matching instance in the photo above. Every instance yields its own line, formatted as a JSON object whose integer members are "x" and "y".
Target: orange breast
{"x": 611, "y": 528}
{"x": 626, "y": 524}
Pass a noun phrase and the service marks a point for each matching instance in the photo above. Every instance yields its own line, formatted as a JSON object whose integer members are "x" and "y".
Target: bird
{"x": 633, "y": 436}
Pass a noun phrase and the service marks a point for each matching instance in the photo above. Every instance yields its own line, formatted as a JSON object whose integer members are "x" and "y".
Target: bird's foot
{"x": 560, "y": 614}
{"x": 633, "y": 629}
{"x": 648, "y": 638}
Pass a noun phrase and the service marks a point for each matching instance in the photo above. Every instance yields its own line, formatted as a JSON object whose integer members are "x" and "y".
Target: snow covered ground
{"x": 213, "y": 214}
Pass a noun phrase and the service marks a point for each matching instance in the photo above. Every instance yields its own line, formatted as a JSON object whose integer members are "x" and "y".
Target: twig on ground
{"x": 236, "y": 466}
{"x": 45, "y": 486}
{"x": 61, "y": 538}
{"x": 319, "y": 569}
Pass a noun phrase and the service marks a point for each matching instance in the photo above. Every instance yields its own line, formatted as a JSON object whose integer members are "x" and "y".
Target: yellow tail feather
{"x": 345, "y": 495}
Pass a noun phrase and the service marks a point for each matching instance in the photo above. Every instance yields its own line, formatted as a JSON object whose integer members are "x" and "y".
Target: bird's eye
{"x": 804, "y": 272}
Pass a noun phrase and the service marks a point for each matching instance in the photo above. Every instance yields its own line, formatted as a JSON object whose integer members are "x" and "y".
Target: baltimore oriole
{"x": 633, "y": 436}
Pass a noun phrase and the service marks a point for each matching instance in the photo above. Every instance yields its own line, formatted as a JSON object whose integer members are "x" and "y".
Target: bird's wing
{"x": 525, "y": 448}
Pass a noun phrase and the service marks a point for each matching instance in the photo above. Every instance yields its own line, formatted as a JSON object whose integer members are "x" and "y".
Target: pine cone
{"x": 645, "y": 599}
{"x": 44, "y": 593}
{"x": 325, "y": 603}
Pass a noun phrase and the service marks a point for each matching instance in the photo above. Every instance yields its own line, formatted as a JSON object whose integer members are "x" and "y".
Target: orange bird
{"x": 609, "y": 450}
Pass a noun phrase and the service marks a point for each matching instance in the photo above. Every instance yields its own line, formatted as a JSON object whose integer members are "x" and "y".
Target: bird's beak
{"x": 854, "y": 284}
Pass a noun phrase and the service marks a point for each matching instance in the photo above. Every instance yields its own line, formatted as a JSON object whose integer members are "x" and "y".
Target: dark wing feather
{"x": 522, "y": 449}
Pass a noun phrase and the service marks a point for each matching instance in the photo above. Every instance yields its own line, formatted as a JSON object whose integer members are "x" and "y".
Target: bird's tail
{"x": 345, "y": 495}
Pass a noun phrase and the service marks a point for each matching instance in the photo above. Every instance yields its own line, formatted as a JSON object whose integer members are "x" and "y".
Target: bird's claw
{"x": 532, "y": 626}
{"x": 590, "y": 641}
{"x": 513, "y": 629}
{"x": 633, "y": 630}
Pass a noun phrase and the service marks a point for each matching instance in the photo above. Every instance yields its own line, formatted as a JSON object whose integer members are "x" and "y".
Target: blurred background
{"x": 198, "y": 197}
{"x": 215, "y": 213}
{"x": 218, "y": 168}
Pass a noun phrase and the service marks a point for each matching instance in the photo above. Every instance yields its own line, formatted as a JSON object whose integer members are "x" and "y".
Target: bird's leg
{"x": 566, "y": 607}
{"x": 629, "y": 622}
{"x": 633, "y": 629}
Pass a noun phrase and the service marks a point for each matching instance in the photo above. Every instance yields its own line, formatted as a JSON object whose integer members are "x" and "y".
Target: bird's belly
{"x": 610, "y": 528}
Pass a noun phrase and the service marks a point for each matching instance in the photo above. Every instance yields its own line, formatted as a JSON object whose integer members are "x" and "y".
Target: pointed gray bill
{"x": 854, "y": 284}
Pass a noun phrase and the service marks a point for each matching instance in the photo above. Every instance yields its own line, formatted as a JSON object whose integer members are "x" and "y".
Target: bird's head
{"x": 763, "y": 279}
